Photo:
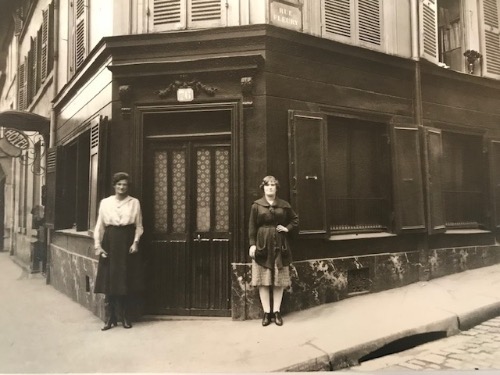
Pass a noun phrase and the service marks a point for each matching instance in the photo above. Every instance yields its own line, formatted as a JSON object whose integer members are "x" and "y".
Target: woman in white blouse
{"x": 117, "y": 233}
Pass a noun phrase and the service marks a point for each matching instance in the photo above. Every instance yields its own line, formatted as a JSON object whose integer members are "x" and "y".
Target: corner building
{"x": 375, "y": 116}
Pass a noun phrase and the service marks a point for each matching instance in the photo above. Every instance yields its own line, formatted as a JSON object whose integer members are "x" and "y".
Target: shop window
{"x": 358, "y": 22}
{"x": 457, "y": 192}
{"x": 76, "y": 179}
{"x": 358, "y": 176}
{"x": 352, "y": 176}
{"x": 182, "y": 14}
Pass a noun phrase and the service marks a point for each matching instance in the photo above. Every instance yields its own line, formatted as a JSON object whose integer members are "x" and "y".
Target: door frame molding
{"x": 237, "y": 197}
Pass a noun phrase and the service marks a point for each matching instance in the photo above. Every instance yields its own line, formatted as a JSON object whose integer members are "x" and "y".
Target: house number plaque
{"x": 185, "y": 94}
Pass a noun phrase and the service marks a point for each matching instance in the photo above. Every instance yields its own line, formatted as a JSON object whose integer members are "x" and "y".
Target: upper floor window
{"x": 357, "y": 22}
{"x": 186, "y": 14}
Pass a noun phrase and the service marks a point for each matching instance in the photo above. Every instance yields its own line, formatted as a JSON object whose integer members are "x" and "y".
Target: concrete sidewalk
{"x": 42, "y": 330}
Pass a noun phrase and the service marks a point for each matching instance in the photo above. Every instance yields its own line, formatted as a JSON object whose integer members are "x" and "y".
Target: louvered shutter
{"x": 22, "y": 100}
{"x": 53, "y": 187}
{"x": 82, "y": 185}
{"x": 169, "y": 14}
{"x": 307, "y": 148}
{"x": 103, "y": 174}
{"x": 369, "y": 16}
{"x": 337, "y": 20}
{"x": 80, "y": 34}
{"x": 428, "y": 30}
{"x": 408, "y": 189}
{"x": 45, "y": 46}
{"x": 34, "y": 67}
{"x": 433, "y": 162}
{"x": 29, "y": 77}
{"x": 490, "y": 36}
{"x": 204, "y": 13}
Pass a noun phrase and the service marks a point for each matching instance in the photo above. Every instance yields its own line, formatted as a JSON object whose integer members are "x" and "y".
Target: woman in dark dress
{"x": 117, "y": 233}
{"x": 271, "y": 220}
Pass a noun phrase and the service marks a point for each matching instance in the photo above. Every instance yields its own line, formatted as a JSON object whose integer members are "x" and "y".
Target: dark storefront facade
{"x": 390, "y": 163}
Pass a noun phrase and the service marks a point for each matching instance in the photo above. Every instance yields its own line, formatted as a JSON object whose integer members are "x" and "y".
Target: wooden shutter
{"x": 204, "y": 13}
{"x": 22, "y": 79}
{"x": 45, "y": 46}
{"x": 80, "y": 34}
{"x": 490, "y": 38}
{"x": 428, "y": 30}
{"x": 103, "y": 177}
{"x": 82, "y": 182}
{"x": 169, "y": 14}
{"x": 34, "y": 67}
{"x": 29, "y": 78}
{"x": 307, "y": 148}
{"x": 53, "y": 186}
{"x": 494, "y": 153}
{"x": 369, "y": 28}
{"x": 433, "y": 161}
{"x": 409, "y": 200}
{"x": 338, "y": 16}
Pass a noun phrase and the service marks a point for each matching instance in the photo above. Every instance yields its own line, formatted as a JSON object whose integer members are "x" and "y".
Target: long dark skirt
{"x": 120, "y": 273}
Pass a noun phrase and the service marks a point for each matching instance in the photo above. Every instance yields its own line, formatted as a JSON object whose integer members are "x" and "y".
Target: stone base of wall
{"x": 73, "y": 275}
{"x": 315, "y": 282}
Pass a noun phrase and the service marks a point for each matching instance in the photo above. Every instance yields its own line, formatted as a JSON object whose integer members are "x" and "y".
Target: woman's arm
{"x": 252, "y": 225}
{"x": 139, "y": 229}
{"x": 98, "y": 232}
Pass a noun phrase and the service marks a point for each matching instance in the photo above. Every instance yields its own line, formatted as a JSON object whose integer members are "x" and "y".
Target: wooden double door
{"x": 187, "y": 220}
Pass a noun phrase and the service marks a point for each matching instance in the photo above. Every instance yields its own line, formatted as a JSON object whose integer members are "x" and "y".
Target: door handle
{"x": 311, "y": 177}
{"x": 198, "y": 238}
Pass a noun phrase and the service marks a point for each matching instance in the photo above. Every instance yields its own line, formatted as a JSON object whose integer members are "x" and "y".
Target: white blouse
{"x": 118, "y": 213}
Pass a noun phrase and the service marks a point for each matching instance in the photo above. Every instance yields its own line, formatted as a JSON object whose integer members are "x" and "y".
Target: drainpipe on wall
{"x": 53, "y": 120}
{"x": 12, "y": 206}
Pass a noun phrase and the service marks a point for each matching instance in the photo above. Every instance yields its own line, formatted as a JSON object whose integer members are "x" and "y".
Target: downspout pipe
{"x": 53, "y": 122}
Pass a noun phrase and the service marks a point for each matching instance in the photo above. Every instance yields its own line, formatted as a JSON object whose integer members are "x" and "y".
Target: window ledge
{"x": 356, "y": 236}
{"x": 74, "y": 233}
{"x": 466, "y": 231}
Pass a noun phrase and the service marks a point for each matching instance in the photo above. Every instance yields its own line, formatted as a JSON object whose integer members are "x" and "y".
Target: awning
{"x": 25, "y": 121}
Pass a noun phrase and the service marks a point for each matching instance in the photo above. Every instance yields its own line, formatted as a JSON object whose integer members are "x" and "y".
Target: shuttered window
{"x": 54, "y": 187}
{"x": 45, "y": 46}
{"x": 490, "y": 35}
{"x": 79, "y": 34}
{"x": 428, "y": 30}
{"x": 34, "y": 77}
{"x": 181, "y": 14}
{"x": 353, "y": 21}
{"x": 22, "y": 82}
{"x": 307, "y": 147}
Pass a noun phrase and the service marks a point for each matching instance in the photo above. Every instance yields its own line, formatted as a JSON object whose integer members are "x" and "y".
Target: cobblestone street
{"x": 475, "y": 349}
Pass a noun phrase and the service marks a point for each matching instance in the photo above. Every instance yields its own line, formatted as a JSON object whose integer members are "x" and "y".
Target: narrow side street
{"x": 475, "y": 349}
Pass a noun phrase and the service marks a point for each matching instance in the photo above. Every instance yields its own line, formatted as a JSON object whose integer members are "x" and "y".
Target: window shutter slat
{"x": 307, "y": 147}
{"x": 82, "y": 188}
{"x": 45, "y": 43}
{"x": 429, "y": 30}
{"x": 433, "y": 161}
{"x": 204, "y": 13}
{"x": 369, "y": 22}
{"x": 494, "y": 153}
{"x": 22, "y": 86}
{"x": 168, "y": 13}
{"x": 409, "y": 202}
{"x": 102, "y": 168}
{"x": 490, "y": 35}
{"x": 337, "y": 19}
{"x": 53, "y": 187}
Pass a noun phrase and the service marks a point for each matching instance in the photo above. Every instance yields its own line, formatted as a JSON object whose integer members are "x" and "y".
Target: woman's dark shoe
{"x": 266, "y": 320}
{"x": 278, "y": 319}
{"x": 126, "y": 323}
{"x": 110, "y": 323}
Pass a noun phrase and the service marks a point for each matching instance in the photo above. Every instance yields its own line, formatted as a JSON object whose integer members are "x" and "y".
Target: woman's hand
{"x": 251, "y": 251}
{"x": 134, "y": 248}
{"x": 100, "y": 251}
{"x": 281, "y": 228}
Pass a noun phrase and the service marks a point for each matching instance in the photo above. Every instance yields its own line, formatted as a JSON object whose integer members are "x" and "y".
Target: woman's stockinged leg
{"x": 265, "y": 298}
{"x": 277, "y": 298}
